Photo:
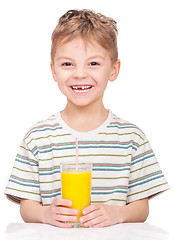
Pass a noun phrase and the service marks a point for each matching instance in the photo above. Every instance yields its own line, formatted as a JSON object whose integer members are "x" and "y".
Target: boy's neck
{"x": 85, "y": 118}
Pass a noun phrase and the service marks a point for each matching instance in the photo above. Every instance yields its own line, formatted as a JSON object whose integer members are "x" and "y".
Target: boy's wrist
{"x": 44, "y": 214}
{"x": 120, "y": 214}
{"x": 123, "y": 214}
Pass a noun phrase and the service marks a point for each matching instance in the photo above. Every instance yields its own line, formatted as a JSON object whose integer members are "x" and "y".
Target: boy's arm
{"x": 56, "y": 214}
{"x": 32, "y": 211}
{"x": 136, "y": 211}
{"x": 96, "y": 215}
{"x": 102, "y": 215}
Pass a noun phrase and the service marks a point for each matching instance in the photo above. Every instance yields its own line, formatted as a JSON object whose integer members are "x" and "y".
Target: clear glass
{"x": 76, "y": 186}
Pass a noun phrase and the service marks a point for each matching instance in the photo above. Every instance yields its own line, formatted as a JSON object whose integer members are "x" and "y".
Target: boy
{"x": 126, "y": 173}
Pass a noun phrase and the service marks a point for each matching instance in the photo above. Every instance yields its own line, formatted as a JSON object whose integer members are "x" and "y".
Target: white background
{"x": 142, "y": 94}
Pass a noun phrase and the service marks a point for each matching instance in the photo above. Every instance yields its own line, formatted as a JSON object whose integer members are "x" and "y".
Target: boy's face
{"x": 82, "y": 71}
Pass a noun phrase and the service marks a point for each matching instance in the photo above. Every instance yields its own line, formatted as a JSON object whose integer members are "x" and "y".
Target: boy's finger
{"x": 95, "y": 221}
{"x": 92, "y": 216}
{"x": 90, "y": 208}
{"x": 63, "y": 202}
{"x": 62, "y": 224}
{"x": 66, "y": 211}
{"x": 65, "y": 218}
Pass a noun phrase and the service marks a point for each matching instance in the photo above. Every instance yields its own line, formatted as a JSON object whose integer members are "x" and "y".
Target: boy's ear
{"x": 115, "y": 70}
{"x": 53, "y": 70}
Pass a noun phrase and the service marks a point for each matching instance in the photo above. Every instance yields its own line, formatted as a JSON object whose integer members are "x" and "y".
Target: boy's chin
{"x": 83, "y": 103}
{"x": 80, "y": 103}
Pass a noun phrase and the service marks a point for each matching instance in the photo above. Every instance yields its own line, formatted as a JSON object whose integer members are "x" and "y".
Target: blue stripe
{"x": 121, "y": 127}
{"x": 25, "y": 158}
{"x": 80, "y": 147}
{"x": 51, "y": 173}
{"x": 97, "y": 193}
{"x": 29, "y": 163}
{"x": 143, "y": 158}
{"x": 121, "y": 147}
{"x": 146, "y": 181}
{"x": 51, "y": 196}
{"x": 22, "y": 184}
{"x": 42, "y": 130}
{"x": 115, "y": 169}
{"x": 92, "y": 193}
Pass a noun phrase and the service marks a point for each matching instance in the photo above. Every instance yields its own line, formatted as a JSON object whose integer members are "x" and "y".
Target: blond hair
{"x": 88, "y": 25}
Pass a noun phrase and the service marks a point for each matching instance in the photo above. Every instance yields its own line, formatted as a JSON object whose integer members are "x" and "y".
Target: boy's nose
{"x": 80, "y": 73}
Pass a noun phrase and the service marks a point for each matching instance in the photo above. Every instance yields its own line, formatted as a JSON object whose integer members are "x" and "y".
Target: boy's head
{"x": 90, "y": 26}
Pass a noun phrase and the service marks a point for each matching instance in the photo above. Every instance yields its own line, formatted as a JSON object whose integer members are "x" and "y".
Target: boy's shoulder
{"x": 43, "y": 127}
{"x": 124, "y": 127}
{"x": 121, "y": 123}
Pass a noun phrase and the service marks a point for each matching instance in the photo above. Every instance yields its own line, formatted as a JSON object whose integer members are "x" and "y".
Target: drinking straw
{"x": 77, "y": 154}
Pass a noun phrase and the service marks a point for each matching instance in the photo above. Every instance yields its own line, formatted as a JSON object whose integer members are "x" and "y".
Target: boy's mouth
{"x": 81, "y": 88}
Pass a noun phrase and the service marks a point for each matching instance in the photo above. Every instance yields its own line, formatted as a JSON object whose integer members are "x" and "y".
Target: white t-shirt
{"x": 124, "y": 166}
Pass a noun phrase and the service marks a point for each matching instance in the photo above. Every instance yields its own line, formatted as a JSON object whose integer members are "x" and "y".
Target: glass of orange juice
{"x": 76, "y": 186}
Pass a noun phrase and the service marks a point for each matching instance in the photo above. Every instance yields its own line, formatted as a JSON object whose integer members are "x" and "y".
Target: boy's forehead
{"x": 79, "y": 43}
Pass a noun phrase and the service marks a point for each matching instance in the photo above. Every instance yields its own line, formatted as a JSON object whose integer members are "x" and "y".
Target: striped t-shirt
{"x": 124, "y": 166}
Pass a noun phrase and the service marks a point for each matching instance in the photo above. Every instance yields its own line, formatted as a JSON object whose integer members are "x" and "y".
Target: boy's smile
{"x": 81, "y": 88}
{"x": 82, "y": 71}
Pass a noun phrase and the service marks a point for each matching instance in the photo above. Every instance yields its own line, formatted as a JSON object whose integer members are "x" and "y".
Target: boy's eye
{"x": 67, "y": 64}
{"x": 94, "y": 63}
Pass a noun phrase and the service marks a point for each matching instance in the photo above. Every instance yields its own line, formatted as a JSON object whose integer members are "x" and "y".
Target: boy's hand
{"x": 59, "y": 213}
{"x": 100, "y": 215}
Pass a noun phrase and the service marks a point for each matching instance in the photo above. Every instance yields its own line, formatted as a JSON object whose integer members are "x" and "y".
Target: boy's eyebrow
{"x": 63, "y": 57}
{"x": 69, "y": 58}
{"x": 96, "y": 56}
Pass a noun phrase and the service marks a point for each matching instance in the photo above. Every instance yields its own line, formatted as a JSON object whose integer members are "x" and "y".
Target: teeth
{"x": 81, "y": 88}
{"x": 74, "y": 87}
{"x": 80, "y": 91}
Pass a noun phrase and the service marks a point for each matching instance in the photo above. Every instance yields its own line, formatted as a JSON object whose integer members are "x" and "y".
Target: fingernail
{"x": 84, "y": 212}
{"x": 81, "y": 219}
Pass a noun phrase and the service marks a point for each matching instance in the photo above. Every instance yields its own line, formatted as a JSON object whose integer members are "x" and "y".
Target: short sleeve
{"x": 24, "y": 179}
{"x": 146, "y": 179}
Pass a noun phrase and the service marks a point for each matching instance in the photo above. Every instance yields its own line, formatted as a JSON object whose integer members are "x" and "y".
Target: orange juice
{"x": 76, "y": 186}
